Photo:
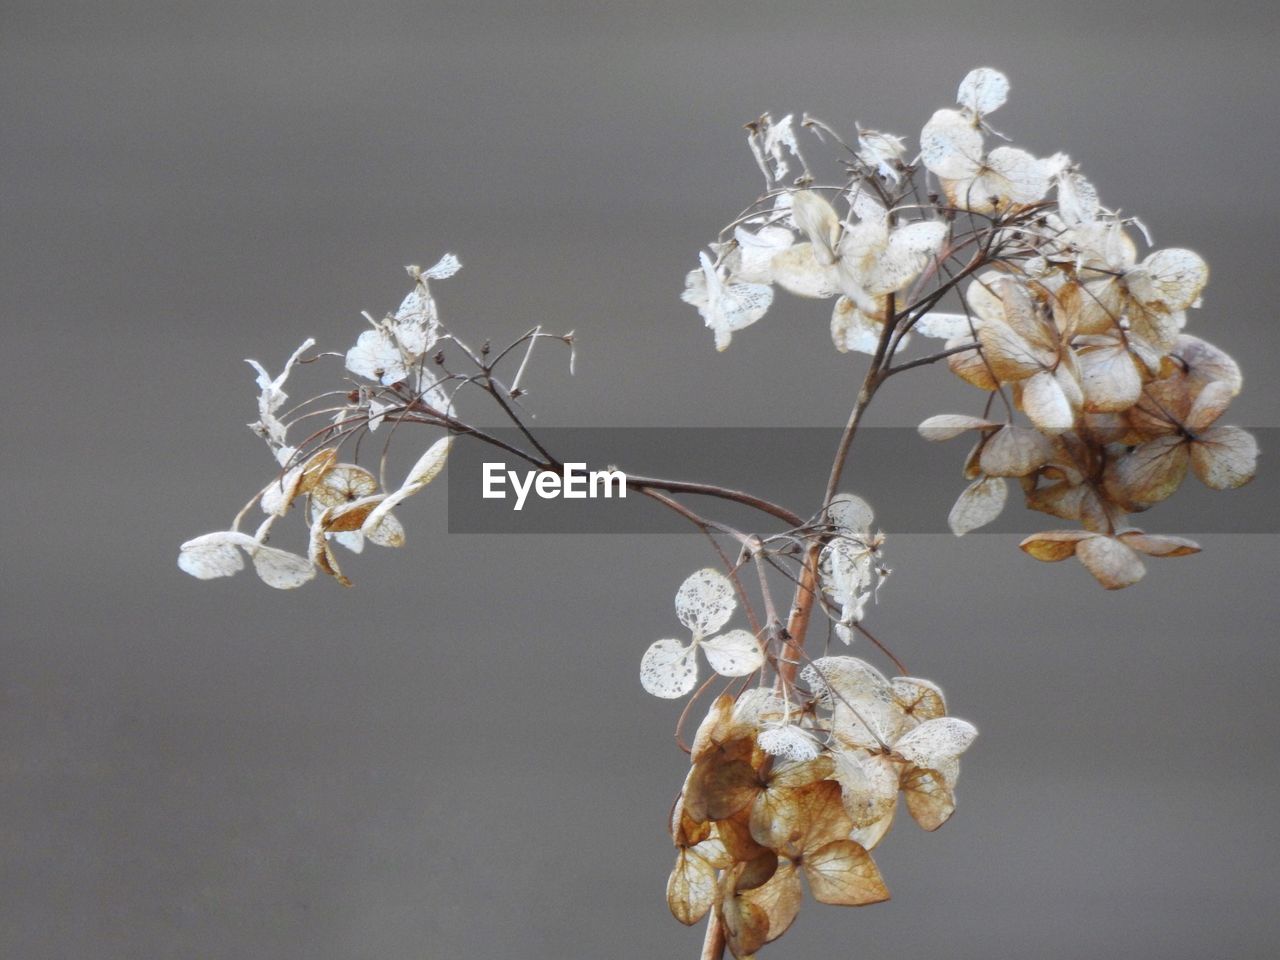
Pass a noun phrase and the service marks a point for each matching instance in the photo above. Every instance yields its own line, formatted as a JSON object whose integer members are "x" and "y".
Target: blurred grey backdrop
{"x": 455, "y": 758}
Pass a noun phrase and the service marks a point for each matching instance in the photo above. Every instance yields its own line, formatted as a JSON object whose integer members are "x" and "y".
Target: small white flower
{"x": 704, "y": 603}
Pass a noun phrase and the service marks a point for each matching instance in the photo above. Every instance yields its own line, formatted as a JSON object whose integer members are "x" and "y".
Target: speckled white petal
{"x": 705, "y": 601}
{"x": 444, "y": 268}
{"x": 669, "y": 669}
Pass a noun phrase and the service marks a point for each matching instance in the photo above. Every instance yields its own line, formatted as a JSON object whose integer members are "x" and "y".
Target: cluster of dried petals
{"x": 868, "y": 240}
{"x": 755, "y": 824}
{"x": 1119, "y": 402}
{"x": 819, "y": 243}
{"x": 344, "y": 502}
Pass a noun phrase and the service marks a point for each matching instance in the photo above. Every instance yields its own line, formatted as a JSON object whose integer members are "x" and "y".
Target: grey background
{"x": 455, "y": 758}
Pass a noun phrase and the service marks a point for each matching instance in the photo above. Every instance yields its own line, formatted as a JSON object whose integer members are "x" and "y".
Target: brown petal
{"x": 711, "y": 732}
{"x": 350, "y": 516}
{"x": 746, "y": 925}
{"x": 735, "y": 833}
{"x": 969, "y": 366}
{"x": 842, "y": 872}
{"x": 779, "y": 899}
{"x": 779, "y": 818}
{"x": 928, "y": 797}
{"x": 756, "y": 871}
{"x": 691, "y": 888}
{"x": 718, "y": 787}
{"x": 1159, "y": 545}
{"x": 921, "y": 699}
{"x": 1149, "y": 473}
{"x": 1054, "y": 545}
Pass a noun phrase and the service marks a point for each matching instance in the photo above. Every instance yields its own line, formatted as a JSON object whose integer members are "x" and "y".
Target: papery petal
{"x": 983, "y": 90}
{"x": 1224, "y": 457}
{"x": 1112, "y": 563}
{"x": 705, "y": 601}
{"x": 668, "y": 669}
{"x": 950, "y": 145}
{"x": 980, "y": 503}
{"x": 734, "y": 654}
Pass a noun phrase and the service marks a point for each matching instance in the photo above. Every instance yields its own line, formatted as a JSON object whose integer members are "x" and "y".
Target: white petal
{"x": 705, "y": 601}
{"x": 734, "y": 654}
{"x": 1225, "y": 457}
{"x": 1172, "y": 278}
{"x": 1023, "y": 176}
{"x": 948, "y": 426}
{"x": 376, "y": 357}
{"x": 443, "y": 268}
{"x": 1046, "y": 405}
{"x": 983, "y": 90}
{"x": 415, "y": 323}
{"x": 788, "y": 742}
{"x": 756, "y": 252}
{"x": 850, "y": 514}
{"x": 817, "y": 219}
{"x": 385, "y": 531}
{"x": 951, "y": 146}
{"x": 214, "y": 554}
{"x": 668, "y": 669}
{"x": 851, "y": 329}
{"x": 1113, "y": 564}
{"x": 943, "y": 326}
{"x": 430, "y": 463}
{"x": 935, "y": 741}
{"x": 909, "y": 250}
{"x": 282, "y": 569}
{"x": 798, "y": 271}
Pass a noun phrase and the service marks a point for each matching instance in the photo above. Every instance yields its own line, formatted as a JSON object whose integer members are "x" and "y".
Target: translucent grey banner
{"x": 910, "y": 482}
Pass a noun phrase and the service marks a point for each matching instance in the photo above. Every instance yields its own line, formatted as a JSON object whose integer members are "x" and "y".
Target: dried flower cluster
{"x": 1058, "y": 319}
{"x": 794, "y": 779}
{"x": 1096, "y": 401}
